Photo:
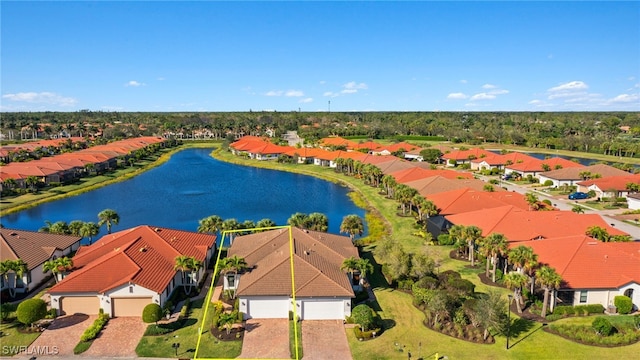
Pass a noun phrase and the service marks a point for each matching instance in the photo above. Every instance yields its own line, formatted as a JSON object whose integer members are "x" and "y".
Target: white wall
{"x": 605, "y": 297}
{"x": 133, "y": 291}
{"x": 634, "y": 204}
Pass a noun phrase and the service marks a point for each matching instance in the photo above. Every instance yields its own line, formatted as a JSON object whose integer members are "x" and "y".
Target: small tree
{"x": 602, "y": 326}
{"x": 152, "y": 313}
{"x": 363, "y": 316}
{"x": 226, "y": 320}
{"x": 31, "y": 310}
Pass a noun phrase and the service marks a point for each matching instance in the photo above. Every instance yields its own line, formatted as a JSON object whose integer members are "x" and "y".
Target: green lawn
{"x": 11, "y": 338}
{"x": 160, "y": 346}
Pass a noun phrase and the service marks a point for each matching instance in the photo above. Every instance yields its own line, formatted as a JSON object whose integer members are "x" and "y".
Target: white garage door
{"x": 129, "y": 306}
{"x": 268, "y": 308}
{"x": 322, "y": 309}
{"x": 89, "y": 305}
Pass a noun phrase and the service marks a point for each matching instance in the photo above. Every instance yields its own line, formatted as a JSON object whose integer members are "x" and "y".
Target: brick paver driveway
{"x": 324, "y": 340}
{"x": 118, "y": 338}
{"x": 266, "y": 339}
{"x": 63, "y": 334}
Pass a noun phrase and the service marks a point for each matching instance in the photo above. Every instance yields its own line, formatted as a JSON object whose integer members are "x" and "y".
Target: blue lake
{"x": 191, "y": 186}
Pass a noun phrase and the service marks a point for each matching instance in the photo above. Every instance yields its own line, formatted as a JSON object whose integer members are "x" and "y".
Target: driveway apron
{"x": 63, "y": 334}
{"x": 325, "y": 340}
{"x": 266, "y": 339}
{"x": 118, "y": 338}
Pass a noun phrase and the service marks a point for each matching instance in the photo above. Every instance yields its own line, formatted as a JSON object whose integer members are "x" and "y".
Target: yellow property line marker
{"x": 202, "y": 328}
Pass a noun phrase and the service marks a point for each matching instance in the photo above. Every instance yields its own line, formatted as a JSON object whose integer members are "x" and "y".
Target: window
{"x": 629, "y": 293}
{"x": 231, "y": 280}
{"x": 583, "y": 296}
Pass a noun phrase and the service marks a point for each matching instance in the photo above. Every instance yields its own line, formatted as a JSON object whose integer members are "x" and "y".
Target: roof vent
{"x": 143, "y": 249}
{"x": 306, "y": 252}
{"x": 157, "y": 230}
{"x": 13, "y": 233}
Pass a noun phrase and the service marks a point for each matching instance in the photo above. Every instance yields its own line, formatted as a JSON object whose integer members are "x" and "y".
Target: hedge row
{"x": 369, "y": 334}
{"x": 92, "y": 331}
{"x": 578, "y": 310}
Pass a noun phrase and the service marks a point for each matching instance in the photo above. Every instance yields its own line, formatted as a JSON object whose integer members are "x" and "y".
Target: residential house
{"x": 323, "y": 291}
{"x": 124, "y": 271}
{"x": 572, "y": 175}
{"x": 417, "y": 173}
{"x": 460, "y": 157}
{"x": 633, "y": 201}
{"x": 34, "y": 248}
{"x": 436, "y": 184}
{"x": 499, "y": 161}
{"x": 534, "y": 166}
{"x": 593, "y": 272}
{"x": 614, "y": 186}
{"x": 464, "y": 200}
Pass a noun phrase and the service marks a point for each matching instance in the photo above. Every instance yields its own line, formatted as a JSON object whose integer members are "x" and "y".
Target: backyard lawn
{"x": 11, "y": 339}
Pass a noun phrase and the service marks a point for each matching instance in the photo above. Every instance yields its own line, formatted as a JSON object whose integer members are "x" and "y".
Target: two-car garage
{"x": 307, "y": 308}
{"x": 90, "y": 305}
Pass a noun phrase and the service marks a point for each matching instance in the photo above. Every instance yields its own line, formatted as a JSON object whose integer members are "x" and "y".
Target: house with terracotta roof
{"x": 460, "y": 157}
{"x": 329, "y": 158}
{"x": 499, "y": 161}
{"x": 534, "y": 166}
{"x": 34, "y": 248}
{"x": 323, "y": 291}
{"x": 335, "y": 142}
{"x": 124, "y": 271}
{"x": 418, "y": 173}
{"x": 464, "y": 200}
{"x": 573, "y": 175}
{"x": 393, "y": 148}
{"x": 614, "y": 186}
{"x": 436, "y": 184}
{"x": 519, "y": 225}
{"x": 593, "y": 272}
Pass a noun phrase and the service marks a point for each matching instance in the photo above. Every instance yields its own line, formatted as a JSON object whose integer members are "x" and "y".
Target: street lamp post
{"x": 176, "y": 346}
{"x": 509, "y": 319}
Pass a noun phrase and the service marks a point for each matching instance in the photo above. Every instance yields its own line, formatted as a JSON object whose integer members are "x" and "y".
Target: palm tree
{"x": 32, "y": 182}
{"x": 298, "y": 220}
{"x": 516, "y": 281}
{"x": 577, "y": 209}
{"x": 318, "y": 222}
{"x": 230, "y": 225}
{"x": 549, "y": 279}
{"x": 525, "y": 260}
{"x": 59, "y": 227}
{"x": 472, "y": 234}
{"x": 74, "y": 227}
{"x": 265, "y": 223}
{"x": 232, "y": 265}
{"x": 532, "y": 200}
{"x": 493, "y": 246}
{"x": 598, "y": 233}
{"x": 455, "y": 234}
{"x": 187, "y": 264}
{"x": 352, "y": 225}
{"x": 50, "y": 265}
{"x": 404, "y": 194}
{"x": 389, "y": 183}
{"x": 210, "y": 224}
{"x": 18, "y": 267}
{"x": 89, "y": 230}
{"x": 108, "y": 217}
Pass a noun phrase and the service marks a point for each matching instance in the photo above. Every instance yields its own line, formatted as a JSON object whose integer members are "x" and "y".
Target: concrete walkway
{"x": 266, "y": 339}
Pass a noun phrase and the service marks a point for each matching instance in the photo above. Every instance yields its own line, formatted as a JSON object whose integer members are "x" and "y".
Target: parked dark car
{"x": 578, "y": 196}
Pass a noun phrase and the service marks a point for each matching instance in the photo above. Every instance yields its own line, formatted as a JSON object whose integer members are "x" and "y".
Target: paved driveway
{"x": 118, "y": 338}
{"x": 63, "y": 334}
{"x": 325, "y": 340}
{"x": 266, "y": 339}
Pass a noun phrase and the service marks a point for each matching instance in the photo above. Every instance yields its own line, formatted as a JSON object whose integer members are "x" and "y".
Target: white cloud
{"x": 41, "y": 97}
{"x": 463, "y": 81}
{"x": 570, "y": 86}
{"x": 488, "y": 86}
{"x": 625, "y": 98}
{"x": 631, "y": 78}
{"x": 457, "y": 96}
{"x": 322, "y": 82}
{"x": 330, "y": 94}
{"x": 353, "y": 87}
{"x": 160, "y": 78}
{"x": 550, "y": 56}
{"x": 535, "y": 102}
{"x": 134, "y": 83}
{"x": 482, "y": 96}
{"x": 306, "y": 100}
{"x": 274, "y": 93}
{"x": 294, "y": 93}
{"x": 498, "y": 92}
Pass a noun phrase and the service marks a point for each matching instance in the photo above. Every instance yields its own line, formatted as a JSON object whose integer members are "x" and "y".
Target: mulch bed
{"x": 236, "y": 333}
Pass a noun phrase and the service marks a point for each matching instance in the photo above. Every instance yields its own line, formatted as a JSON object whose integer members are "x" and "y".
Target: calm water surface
{"x": 192, "y": 185}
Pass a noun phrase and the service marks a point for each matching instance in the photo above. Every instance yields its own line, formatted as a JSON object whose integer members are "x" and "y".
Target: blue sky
{"x": 312, "y": 56}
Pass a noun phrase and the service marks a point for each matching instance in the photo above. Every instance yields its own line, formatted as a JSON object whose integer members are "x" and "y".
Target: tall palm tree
{"x": 516, "y": 281}
{"x": 492, "y": 246}
{"x": 59, "y": 227}
{"x": 18, "y": 268}
{"x": 298, "y": 220}
{"x": 389, "y": 183}
{"x": 109, "y": 218}
{"x": 472, "y": 234}
{"x": 50, "y": 265}
{"x": 32, "y": 182}
{"x": 187, "y": 265}
{"x": 230, "y": 225}
{"x": 455, "y": 234}
{"x": 352, "y": 225}
{"x": 232, "y": 265}
{"x": 404, "y": 194}
{"x": 265, "y": 223}
{"x": 525, "y": 261}
{"x": 532, "y": 200}
{"x": 89, "y": 230}
{"x": 210, "y": 224}
{"x": 74, "y": 227}
{"x": 598, "y": 233}
{"x": 549, "y": 280}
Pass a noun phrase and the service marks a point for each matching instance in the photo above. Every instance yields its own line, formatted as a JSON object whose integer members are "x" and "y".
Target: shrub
{"x": 81, "y": 347}
{"x": 563, "y": 310}
{"x": 623, "y": 304}
{"x": 31, "y": 310}
{"x": 595, "y": 308}
{"x": 426, "y": 282}
{"x": 636, "y": 321}
{"x": 554, "y": 317}
{"x": 405, "y": 284}
{"x": 547, "y": 201}
{"x": 151, "y": 313}
{"x": 363, "y": 316}
{"x": 92, "y": 331}
{"x": 6, "y": 309}
{"x": 602, "y": 326}
{"x": 548, "y": 183}
{"x": 366, "y": 334}
{"x": 445, "y": 239}
{"x": 184, "y": 312}
{"x": 580, "y": 310}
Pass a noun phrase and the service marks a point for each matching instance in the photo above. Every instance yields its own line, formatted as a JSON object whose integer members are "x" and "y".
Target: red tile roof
{"x": 574, "y": 173}
{"x": 465, "y": 200}
{"x": 459, "y": 155}
{"x": 536, "y": 165}
{"x": 317, "y": 261}
{"x": 437, "y": 184}
{"x": 618, "y": 183}
{"x": 585, "y": 263}
{"x": 417, "y": 173}
{"x": 523, "y": 225}
{"x": 337, "y": 141}
{"x": 143, "y": 255}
